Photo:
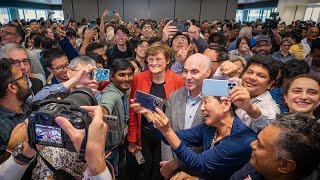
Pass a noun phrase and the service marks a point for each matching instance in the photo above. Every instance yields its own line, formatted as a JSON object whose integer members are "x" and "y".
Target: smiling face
{"x": 213, "y": 110}
{"x": 121, "y": 37}
{"x": 157, "y": 63}
{"x": 256, "y": 80}
{"x": 303, "y": 96}
{"x": 263, "y": 156}
{"x": 142, "y": 49}
{"x": 194, "y": 72}
{"x": 122, "y": 79}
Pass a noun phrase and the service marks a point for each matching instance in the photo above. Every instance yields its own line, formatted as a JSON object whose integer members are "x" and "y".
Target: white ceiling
{"x": 59, "y": 2}
{"x": 250, "y": 1}
{"x": 51, "y": 2}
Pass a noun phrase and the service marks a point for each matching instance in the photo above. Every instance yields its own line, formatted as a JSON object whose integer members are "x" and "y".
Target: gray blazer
{"x": 175, "y": 111}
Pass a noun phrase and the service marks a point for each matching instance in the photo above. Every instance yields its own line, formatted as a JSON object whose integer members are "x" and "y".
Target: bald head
{"x": 196, "y": 69}
{"x": 200, "y": 60}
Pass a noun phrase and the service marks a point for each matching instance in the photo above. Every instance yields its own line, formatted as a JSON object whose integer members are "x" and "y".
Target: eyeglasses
{"x": 152, "y": 60}
{"x": 25, "y": 62}
{"x": 7, "y": 32}
{"x": 22, "y": 77}
{"x": 60, "y": 68}
{"x": 121, "y": 34}
{"x": 182, "y": 39}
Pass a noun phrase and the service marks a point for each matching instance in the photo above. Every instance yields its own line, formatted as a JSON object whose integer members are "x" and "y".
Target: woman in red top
{"x": 159, "y": 81}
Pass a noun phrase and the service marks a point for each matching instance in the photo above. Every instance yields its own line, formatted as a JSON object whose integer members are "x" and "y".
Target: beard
{"x": 23, "y": 93}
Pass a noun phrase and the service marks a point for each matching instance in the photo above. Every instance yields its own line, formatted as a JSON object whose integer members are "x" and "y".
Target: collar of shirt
{"x": 9, "y": 114}
{"x": 118, "y": 90}
{"x": 260, "y": 97}
{"x": 198, "y": 98}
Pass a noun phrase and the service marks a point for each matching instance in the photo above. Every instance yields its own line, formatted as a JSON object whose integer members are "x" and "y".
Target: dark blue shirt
{"x": 277, "y": 96}
{"x": 8, "y": 121}
{"x": 247, "y": 172}
{"x": 220, "y": 161}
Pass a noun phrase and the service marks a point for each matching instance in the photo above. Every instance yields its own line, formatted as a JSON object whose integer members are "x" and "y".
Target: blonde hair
{"x": 287, "y": 39}
{"x": 241, "y": 59}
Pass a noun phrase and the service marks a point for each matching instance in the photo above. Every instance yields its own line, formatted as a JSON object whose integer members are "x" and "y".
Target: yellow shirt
{"x": 297, "y": 50}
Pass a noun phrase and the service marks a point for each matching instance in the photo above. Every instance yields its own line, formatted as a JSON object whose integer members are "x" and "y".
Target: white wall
{"x": 291, "y": 10}
{"x": 154, "y": 9}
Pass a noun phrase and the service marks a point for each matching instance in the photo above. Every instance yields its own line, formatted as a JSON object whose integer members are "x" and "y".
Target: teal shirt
{"x": 117, "y": 104}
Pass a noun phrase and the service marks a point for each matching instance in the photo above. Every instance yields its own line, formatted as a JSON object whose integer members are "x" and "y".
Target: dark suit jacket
{"x": 175, "y": 111}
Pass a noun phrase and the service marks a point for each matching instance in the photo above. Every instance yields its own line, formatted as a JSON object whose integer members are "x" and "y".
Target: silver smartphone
{"x": 139, "y": 157}
{"x": 213, "y": 87}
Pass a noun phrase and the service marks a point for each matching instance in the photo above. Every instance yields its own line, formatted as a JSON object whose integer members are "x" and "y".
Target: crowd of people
{"x": 267, "y": 127}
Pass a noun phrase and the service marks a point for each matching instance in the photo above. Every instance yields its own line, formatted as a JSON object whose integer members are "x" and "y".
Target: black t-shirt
{"x": 114, "y": 53}
{"x": 156, "y": 90}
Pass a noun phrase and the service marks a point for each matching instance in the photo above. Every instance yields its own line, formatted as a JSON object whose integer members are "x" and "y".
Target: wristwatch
{"x": 17, "y": 154}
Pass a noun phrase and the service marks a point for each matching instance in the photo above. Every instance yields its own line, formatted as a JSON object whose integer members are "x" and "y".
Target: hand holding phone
{"x": 148, "y": 101}
{"x": 101, "y": 74}
{"x": 219, "y": 88}
{"x": 91, "y": 24}
{"x": 111, "y": 121}
{"x": 66, "y": 22}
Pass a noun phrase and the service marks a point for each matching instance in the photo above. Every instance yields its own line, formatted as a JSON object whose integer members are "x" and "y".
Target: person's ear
{"x": 285, "y": 98}
{"x": 69, "y": 73}
{"x": 50, "y": 70}
{"x": 18, "y": 40}
{"x": 12, "y": 88}
{"x": 208, "y": 72}
{"x": 287, "y": 166}
{"x": 227, "y": 105}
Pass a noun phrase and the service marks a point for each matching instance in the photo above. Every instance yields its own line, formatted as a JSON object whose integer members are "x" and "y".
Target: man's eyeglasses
{"x": 60, "y": 68}
{"x": 22, "y": 77}
{"x": 121, "y": 34}
{"x": 7, "y": 32}
{"x": 24, "y": 62}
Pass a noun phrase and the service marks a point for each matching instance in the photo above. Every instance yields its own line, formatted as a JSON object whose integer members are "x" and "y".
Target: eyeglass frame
{"x": 22, "y": 77}
{"x": 18, "y": 62}
{"x": 59, "y": 69}
{"x": 7, "y": 32}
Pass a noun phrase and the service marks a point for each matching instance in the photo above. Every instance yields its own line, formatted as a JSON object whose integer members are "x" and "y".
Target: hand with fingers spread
{"x": 105, "y": 14}
{"x": 229, "y": 68}
{"x": 95, "y": 151}
{"x": 168, "y": 31}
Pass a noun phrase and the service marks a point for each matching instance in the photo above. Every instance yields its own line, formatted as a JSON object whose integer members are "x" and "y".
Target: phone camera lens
{"x": 233, "y": 84}
{"x": 229, "y": 84}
